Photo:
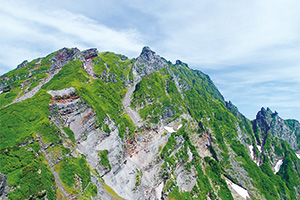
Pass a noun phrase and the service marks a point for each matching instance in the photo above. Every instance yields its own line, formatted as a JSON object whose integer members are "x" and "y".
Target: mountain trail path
{"x": 34, "y": 90}
{"x": 135, "y": 116}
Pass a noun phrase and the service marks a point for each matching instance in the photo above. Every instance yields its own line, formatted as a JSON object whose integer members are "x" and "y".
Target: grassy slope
{"x": 204, "y": 101}
{"x": 24, "y": 122}
{"x": 27, "y": 170}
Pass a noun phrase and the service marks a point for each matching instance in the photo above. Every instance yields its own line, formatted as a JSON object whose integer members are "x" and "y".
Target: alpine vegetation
{"x": 98, "y": 125}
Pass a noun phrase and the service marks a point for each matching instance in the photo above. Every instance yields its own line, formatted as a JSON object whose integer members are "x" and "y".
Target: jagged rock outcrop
{"x": 64, "y": 56}
{"x": 287, "y": 130}
{"x": 23, "y": 64}
{"x": 90, "y": 53}
{"x": 275, "y": 136}
{"x": 2, "y": 86}
{"x": 3, "y": 187}
{"x": 147, "y": 63}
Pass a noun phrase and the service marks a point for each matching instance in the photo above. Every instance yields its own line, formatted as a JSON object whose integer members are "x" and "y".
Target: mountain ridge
{"x": 106, "y": 126}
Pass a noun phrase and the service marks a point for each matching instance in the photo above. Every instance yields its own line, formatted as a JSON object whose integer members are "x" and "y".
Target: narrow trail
{"x": 135, "y": 116}
{"x": 34, "y": 90}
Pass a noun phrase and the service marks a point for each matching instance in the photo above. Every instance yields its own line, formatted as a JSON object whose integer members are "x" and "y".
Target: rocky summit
{"x": 98, "y": 125}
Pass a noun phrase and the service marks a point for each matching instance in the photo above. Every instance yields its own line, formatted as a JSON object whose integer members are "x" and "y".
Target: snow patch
{"x": 171, "y": 129}
{"x": 241, "y": 191}
{"x": 259, "y": 148}
{"x": 251, "y": 152}
{"x": 277, "y": 166}
{"x": 298, "y": 155}
{"x": 179, "y": 127}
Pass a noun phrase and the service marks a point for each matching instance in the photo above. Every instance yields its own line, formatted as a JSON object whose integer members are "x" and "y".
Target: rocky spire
{"x": 147, "y": 63}
{"x": 147, "y": 54}
{"x": 266, "y": 121}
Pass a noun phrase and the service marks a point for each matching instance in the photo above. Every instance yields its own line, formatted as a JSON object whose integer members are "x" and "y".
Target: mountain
{"x": 89, "y": 125}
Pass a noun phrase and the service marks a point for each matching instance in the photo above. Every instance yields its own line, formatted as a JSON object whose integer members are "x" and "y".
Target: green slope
{"x": 163, "y": 96}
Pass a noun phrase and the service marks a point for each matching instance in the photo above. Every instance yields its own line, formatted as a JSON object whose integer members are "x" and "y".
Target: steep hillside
{"x": 89, "y": 125}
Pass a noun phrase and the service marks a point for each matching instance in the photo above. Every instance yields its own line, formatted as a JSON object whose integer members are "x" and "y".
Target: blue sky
{"x": 250, "y": 49}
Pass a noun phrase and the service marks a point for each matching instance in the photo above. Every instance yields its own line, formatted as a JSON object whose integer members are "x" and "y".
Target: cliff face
{"x": 287, "y": 130}
{"x": 90, "y": 125}
{"x": 279, "y": 142}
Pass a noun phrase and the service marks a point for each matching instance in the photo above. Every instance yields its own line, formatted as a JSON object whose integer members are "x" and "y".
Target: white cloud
{"x": 221, "y": 31}
{"x": 28, "y": 32}
{"x": 228, "y": 33}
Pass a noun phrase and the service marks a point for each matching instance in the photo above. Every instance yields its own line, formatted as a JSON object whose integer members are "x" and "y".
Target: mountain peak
{"x": 148, "y": 55}
{"x": 146, "y": 49}
{"x": 269, "y": 121}
{"x": 147, "y": 63}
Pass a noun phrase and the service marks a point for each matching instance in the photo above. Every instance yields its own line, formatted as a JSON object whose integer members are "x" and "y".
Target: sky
{"x": 250, "y": 49}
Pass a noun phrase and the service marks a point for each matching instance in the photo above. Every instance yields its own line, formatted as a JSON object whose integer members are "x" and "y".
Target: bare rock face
{"x": 287, "y": 130}
{"x": 63, "y": 92}
{"x": 87, "y": 57}
{"x": 64, "y": 56}
{"x": 268, "y": 126}
{"x": 3, "y": 187}
{"x": 90, "y": 53}
{"x": 147, "y": 63}
{"x": 23, "y": 64}
{"x": 2, "y": 86}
